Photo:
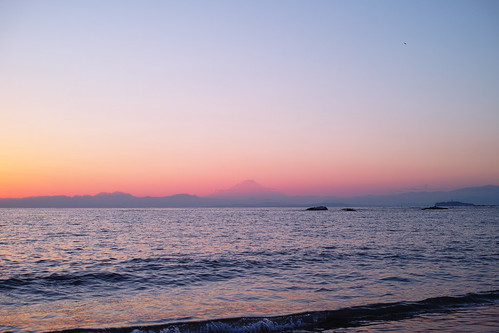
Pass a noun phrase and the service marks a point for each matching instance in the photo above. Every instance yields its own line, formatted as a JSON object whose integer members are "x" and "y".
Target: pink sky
{"x": 305, "y": 99}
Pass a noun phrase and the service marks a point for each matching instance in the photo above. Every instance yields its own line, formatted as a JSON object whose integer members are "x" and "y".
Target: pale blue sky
{"x": 277, "y": 91}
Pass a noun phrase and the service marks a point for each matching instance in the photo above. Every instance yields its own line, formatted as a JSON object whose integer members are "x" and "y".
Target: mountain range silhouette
{"x": 251, "y": 194}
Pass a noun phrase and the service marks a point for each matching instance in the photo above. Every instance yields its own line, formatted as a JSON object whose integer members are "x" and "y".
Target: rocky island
{"x": 454, "y": 204}
{"x": 434, "y": 207}
{"x": 318, "y": 208}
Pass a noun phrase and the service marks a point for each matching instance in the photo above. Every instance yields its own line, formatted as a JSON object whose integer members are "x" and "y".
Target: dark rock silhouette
{"x": 317, "y": 208}
{"x": 349, "y": 209}
{"x": 434, "y": 207}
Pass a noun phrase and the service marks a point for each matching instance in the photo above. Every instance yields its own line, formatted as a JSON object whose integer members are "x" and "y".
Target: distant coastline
{"x": 454, "y": 204}
{"x": 260, "y": 196}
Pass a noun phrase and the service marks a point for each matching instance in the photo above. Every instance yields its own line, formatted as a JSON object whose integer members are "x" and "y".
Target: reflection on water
{"x": 64, "y": 268}
{"x": 478, "y": 320}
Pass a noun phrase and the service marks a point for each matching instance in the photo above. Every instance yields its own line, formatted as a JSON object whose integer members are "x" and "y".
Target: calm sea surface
{"x": 245, "y": 270}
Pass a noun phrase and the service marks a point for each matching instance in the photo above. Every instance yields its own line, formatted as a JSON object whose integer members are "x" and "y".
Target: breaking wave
{"x": 317, "y": 320}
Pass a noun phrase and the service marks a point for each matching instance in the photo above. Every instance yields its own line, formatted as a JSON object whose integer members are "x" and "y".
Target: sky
{"x": 305, "y": 97}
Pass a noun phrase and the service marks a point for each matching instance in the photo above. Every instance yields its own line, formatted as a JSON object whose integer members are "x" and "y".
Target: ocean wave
{"x": 317, "y": 320}
{"x": 59, "y": 280}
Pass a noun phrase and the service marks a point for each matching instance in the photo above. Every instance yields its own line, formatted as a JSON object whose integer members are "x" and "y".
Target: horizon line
{"x": 213, "y": 195}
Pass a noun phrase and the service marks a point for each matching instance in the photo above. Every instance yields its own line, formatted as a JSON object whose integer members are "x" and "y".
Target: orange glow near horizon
{"x": 140, "y": 180}
{"x": 146, "y": 167}
{"x": 56, "y": 163}
{"x": 174, "y": 102}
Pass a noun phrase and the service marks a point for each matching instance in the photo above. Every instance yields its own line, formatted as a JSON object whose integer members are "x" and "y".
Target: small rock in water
{"x": 317, "y": 208}
{"x": 349, "y": 209}
{"x": 434, "y": 207}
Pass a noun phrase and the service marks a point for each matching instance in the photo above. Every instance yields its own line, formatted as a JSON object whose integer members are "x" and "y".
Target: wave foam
{"x": 329, "y": 319}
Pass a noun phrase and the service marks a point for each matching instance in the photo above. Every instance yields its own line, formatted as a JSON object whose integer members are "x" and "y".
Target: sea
{"x": 249, "y": 270}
